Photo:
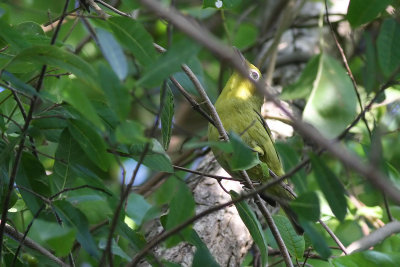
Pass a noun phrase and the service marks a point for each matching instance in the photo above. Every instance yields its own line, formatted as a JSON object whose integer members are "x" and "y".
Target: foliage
{"x": 93, "y": 112}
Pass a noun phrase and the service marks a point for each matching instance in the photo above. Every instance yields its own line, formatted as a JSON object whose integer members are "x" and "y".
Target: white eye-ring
{"x": 254, "y": 75}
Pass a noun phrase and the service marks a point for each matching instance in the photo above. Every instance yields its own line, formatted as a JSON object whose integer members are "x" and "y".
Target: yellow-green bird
{"x": 239, "y": 106}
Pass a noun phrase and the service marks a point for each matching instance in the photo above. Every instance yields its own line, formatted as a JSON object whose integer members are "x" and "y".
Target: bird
{"x": 239, "y": 109}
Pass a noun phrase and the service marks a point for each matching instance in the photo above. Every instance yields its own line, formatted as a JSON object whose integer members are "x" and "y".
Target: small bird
{"x": 239, "y": 106}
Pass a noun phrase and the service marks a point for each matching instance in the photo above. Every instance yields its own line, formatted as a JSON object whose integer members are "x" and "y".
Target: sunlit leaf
{"x": 332, "y": 104}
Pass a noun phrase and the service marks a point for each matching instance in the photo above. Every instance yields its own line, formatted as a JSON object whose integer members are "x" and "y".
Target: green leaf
{"x": 19, "y": 85}
{"x": 368, "y": 258}
{"x": 90, "y": 141}
{"x": 218, "y": 4}
{"x": 133, "y": 36}
{"x": 181, "y": 208}
{"x": 74, "y": 95}
{"x": 115, "y": 249}
{"x": 316, "y": 239}
{"x": 332, "y": 104}
{"x": 303, "y": 86}
{"x": 307, "y": 206}
{"x": 253, "y": 225}
{"x": 31, "y": 175}
{"x": 155, "y": 159}
{"x": 167, "y": 115}
{"x": 130, "y": 132}
{"x": 12, "y": 36}
{"x": 118, "y": 97}
{"x": 388, "y": 44}
{"x": 202, "y": 256}
{"x": 295, "y": 243}
{"x": 58, "y": 238}
{"x": 168, "y": 63}
{"x": 331, "y": 187}
{"x": 243, "y": 157}
{"x": 113, "y": 53}
{"x": 137, "y": 208}
{"x": 290, "y": 159}
{"x": 363, "y": 11}
{"x": 245, "y": 36}
{"x": 370, "y": 69}
{"x": 57, "y": 57}
{"x": 75, "y": 218}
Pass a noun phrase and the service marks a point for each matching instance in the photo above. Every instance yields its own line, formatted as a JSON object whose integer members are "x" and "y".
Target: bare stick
{"x": 375, "y": 237}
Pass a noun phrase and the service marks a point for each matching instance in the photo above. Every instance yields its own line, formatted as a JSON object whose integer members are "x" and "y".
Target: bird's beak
{"x": 240, "y": 55}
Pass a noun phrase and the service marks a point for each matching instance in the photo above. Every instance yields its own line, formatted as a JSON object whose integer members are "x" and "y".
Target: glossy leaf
{"x": 134, "y": 37}
{"x": 253, "y": 225}
{"x": 113, "y": 53}
{"x": 167, "y": 115}
{"x": 331, "y": 187}
{"x": 332, "y": 104}
{"x": 363, "y": 11}
{"x": 295, "y": 243}
{"x": 307, "y": 206}
{"x": 75, "y": 218}
{"x": 388, "y": 44}
{"x": 90, "y": 141}
{"x": 168, "y": 63}
{"x": 181, "y": 208}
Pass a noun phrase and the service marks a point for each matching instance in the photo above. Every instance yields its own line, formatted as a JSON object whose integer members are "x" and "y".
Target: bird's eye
{"x": 254, "y": 75}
